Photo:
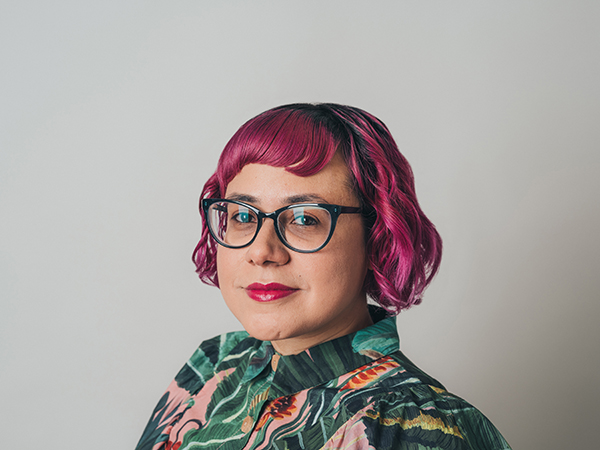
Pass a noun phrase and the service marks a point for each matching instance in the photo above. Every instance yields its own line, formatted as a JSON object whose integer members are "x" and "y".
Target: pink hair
{"x": 403, "y": 246}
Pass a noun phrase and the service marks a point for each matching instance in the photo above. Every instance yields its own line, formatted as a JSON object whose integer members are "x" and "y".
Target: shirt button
{"x": 275, "y": 361}
{"x": 247, "y": 424}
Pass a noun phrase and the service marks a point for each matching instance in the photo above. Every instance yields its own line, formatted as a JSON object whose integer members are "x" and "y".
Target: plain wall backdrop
{"x": 112, "y": 117}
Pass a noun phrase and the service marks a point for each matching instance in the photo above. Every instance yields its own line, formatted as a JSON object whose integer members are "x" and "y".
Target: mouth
{"x": 268, "y": 292}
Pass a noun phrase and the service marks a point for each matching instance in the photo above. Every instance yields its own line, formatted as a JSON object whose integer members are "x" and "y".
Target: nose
{"x": 266, "y": 247}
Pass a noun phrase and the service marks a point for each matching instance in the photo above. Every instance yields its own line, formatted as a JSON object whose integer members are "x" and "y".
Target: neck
{"x": 294, "y": 345}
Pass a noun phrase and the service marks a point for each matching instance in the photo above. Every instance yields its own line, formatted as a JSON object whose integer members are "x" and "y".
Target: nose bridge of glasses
{"x": 273, "y": 235}
{"x": 261, "y": 219}
{"x": 272, "y": 215}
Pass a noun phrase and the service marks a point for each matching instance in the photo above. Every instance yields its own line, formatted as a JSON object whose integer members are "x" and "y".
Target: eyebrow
{"x": 242, "y": 198}
{"x": 299, "y": 198}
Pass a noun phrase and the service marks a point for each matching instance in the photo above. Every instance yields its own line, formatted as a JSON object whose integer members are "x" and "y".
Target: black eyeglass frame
{"x": 334, "y": 212}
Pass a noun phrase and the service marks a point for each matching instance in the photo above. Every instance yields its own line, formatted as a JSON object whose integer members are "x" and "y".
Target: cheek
{"x": 220, "y": 273}
{"x": 345, "y": 267}
{"x": 224, "y": 267}
{"x": 227, "y": 272}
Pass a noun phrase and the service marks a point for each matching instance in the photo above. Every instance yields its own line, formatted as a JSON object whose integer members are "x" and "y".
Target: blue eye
{"x": 243, "y": 215}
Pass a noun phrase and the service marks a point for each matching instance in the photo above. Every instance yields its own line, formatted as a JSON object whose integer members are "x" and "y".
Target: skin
{"x": 328, "y": 301}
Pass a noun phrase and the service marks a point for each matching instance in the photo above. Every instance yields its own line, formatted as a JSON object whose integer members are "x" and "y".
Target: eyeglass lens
{"x": 302, "y": 227}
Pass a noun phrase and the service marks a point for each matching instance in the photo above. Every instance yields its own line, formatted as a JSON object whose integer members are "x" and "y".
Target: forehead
{"x": 260, "y": 183}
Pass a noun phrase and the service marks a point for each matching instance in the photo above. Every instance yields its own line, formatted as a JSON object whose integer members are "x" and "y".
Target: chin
{"x": 265, "y": 333}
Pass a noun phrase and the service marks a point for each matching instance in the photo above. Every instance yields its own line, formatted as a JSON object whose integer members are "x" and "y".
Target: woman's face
{"x": 325, "y": 299}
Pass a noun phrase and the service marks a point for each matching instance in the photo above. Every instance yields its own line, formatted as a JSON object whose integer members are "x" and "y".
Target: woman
{"x": 312, "y": 211}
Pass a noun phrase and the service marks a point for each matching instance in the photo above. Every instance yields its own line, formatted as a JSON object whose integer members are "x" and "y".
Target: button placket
{"x": 275, "y": 361}
{"x": 248, "y": 422}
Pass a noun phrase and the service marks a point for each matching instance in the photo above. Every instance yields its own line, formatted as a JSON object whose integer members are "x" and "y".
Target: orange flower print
{"x": 364, "y": 377}
{"x": 282, "y": 407}
{"x": 278, "y": 409}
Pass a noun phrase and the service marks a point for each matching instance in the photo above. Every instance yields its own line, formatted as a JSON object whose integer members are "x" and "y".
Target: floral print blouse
{"x": 355, "y": 392}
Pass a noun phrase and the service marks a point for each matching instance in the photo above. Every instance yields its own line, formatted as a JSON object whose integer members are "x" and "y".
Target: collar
{"x": 326, "y": 361}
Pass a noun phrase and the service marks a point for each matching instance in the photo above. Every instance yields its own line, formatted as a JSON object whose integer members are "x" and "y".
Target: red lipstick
{"x": 268, "y": 292}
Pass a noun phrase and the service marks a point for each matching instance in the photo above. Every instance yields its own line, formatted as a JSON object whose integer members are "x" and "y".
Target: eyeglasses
{"x": 304, "y": 227}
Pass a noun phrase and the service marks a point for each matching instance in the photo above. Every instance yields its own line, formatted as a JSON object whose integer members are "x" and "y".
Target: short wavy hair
{"x": 403, "y": 247}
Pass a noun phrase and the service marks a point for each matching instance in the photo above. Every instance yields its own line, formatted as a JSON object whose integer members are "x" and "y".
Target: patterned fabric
{"x": 355, "y": 392}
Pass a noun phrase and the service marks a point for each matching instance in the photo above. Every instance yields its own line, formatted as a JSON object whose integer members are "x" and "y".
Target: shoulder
{"x": 411, "y": 406}
{"x": 219, "y": 353}
{"x": 431, "y": 417}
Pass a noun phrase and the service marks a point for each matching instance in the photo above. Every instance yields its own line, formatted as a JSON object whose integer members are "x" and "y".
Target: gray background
{"x": 113, "y": 114}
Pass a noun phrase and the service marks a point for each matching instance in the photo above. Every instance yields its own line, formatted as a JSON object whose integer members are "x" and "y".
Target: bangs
{"x": 296, "y": 139}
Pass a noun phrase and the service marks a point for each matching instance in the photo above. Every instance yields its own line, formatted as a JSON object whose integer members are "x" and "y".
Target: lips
{"x": 268, "y": 292}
